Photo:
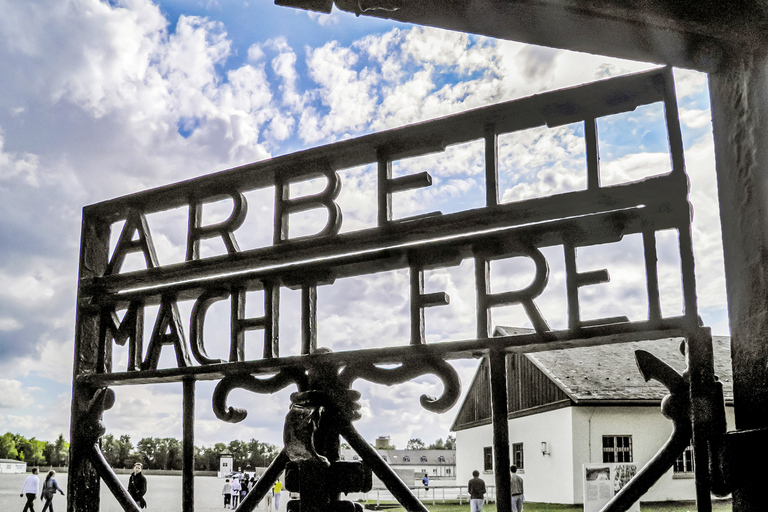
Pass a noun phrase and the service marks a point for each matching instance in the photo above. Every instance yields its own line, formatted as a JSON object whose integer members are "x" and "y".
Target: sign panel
{"x": 601, "y": 482}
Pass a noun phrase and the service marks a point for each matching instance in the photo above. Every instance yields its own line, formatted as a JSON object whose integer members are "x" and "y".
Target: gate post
{"x": 83, "y": 482}
{"x": 739, "y": 99}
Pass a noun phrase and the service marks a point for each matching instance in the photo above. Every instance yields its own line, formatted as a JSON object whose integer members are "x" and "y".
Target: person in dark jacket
{"x": 137, "y": 486}
{"x": 476, "y": 488}
{"x": 50, "y": 486}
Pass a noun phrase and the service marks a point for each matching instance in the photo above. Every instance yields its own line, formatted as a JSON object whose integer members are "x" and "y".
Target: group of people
{"x": 476, "y": 488}
{"x": 32, "y": 485}
{"x": 236, "y": 490}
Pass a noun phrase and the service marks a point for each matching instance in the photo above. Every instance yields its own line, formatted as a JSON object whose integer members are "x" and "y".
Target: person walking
{"x": 235, "y": 492}
{"x": 30, "y": 487}
{"x": 244, "y": 486}
{"x": 226, "y": 491}
{"x": 137, "y": 485}
{"x": 516, "y": 488}
{"x": 50, "y": 486}
{"x": 476, "y": 488}
{"x": 276, "y": 490}
{"x": 425, "y": 481}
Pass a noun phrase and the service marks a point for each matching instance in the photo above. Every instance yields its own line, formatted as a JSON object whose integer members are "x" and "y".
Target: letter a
{"x": 167, "y": 331}
{"x": 135, "y": 223}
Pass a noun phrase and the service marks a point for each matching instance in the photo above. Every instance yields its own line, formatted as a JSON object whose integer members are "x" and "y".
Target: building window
{"x": 488, "y": 458}
{"x": 684, "y": 463}
{"x": 342, "y": 457}
{"x": 355, "y": 457}
{"x": 517, "y": 455}
{"x": 384, "y": 457}
{"x": 617, "y": 448}
{"x": 406, "y": 458}
{"x": 441, "y": 459}
{"x": 423, "y": 458}
{"x": 448, "y": 471}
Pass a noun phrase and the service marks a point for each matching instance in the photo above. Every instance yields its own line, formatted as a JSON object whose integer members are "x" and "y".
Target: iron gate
{"x": 324, "y": 407}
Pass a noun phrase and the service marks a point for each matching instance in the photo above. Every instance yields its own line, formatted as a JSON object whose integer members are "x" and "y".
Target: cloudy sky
{"x": 102, "y": 99}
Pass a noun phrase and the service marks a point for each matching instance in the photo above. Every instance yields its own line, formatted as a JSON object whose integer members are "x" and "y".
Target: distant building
{"x": 575, "y": 406}
{"x": 12, "y": 466}
{"x": 226, "y": 464}
{"x": 436, "y": 463}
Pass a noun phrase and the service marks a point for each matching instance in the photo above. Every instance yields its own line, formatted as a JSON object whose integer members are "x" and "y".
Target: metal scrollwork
{"x": 323, "y": 409}
{"x": 410, "y": 369}
{"x": 250, "y": 383}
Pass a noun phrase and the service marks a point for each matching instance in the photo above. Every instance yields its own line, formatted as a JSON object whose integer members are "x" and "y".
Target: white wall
{"x": 547, "y": 478}
{"x": 649, "y": 431}
{"x": 469, "y": 453}
{"x": 574, "y": 436}
{"x": 13, "y": 467}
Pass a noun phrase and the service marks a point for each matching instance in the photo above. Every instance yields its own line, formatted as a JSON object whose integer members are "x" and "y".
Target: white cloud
{"x": 694, "y": 118}
{"x": 9, "y": 324}
{"x": 15, "y": 165}
{"x": 12, "y": 394}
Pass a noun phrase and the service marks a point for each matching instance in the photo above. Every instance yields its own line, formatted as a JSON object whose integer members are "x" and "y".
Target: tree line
{"x": 163, "y": 453}
{"x": 166, "y": 453}
{"x": 33, "y": 451}
{"x": 417, "y": 444}
{"x": 152, "y": 452}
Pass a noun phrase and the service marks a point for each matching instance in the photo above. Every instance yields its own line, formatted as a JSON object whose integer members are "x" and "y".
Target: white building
{"x": 438, "y": 464}
{"x": 12, "y": 466}
{"x": 226, "y": 464}
{"x": 576, "y": 406}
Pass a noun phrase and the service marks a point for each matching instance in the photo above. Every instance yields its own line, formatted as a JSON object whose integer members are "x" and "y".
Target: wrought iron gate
{"x": 324, "y": 407}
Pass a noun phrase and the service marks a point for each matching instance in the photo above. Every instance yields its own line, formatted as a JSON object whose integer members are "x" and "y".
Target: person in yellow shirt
{"x": 276, "y": 490}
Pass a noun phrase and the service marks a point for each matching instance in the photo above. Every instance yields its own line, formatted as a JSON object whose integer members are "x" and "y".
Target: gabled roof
{"x": 594, "y": 375}
{"x": 609, "y": 372}
{"x": 11, "y": 461}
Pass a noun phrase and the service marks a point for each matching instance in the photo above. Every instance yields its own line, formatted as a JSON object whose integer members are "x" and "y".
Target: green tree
{"x": 109, "y": 449}
{"x": 174, "y": 449}
{"x": 415, "y": 444}
{"x": 8, "y": 446}
{"x": 261, "y": 454}
{"x": 146, "y": 451}
{"x": 124, "y": 449}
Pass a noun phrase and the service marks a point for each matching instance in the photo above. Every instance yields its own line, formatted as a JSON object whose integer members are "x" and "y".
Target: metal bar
{"x": 701, "y": 375}
{"x": 593, "y": 154}
{"x": 417, "y": 311}
{"x": 106, "y": 473}
{"x": 498, "y": 364}
{"x": 265, "y": 483}
{"x": 483, "y": 289}
{"x": 554, "y": 340}
{"x": 652, "y": 276}
{"x": 188, "y": 434}
{"x": 384, "y": 170}
{"x": 83, "y": 481}
{"x": 491, "y": 166}
{"x": 308, "y": 319}
{"x": 399, "y": 490}
{"x": 611, "y": 96}
{"x": 665, "y": 194}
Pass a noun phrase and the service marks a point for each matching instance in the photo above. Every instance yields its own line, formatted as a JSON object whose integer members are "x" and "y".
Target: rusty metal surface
{"x": 324, "y": 408}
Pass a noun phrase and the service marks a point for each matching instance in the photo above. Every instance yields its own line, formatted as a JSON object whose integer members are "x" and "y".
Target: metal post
{"x": 498, "y": 364}
{"x": 738, "y": 92}
{"x": 188, "y": 434}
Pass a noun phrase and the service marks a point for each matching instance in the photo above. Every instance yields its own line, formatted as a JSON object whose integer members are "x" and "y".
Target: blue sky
{"x": 99, "y": 100}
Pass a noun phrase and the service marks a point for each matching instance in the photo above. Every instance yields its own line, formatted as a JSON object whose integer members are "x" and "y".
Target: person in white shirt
{"x": 30, "y": 487}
